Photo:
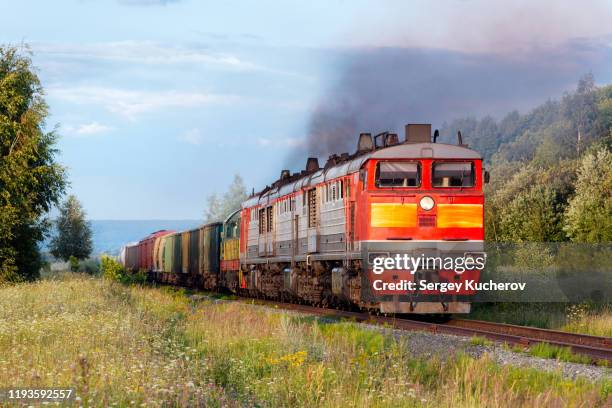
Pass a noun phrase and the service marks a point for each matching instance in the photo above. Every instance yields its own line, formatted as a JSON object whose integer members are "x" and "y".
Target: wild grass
{"x": 582, "y": 319}
{"x": 546, "y": 350}
{"x": 480, "y": 341}
{"x": 592, "y": 319}
{"x": 137, "y": 346}
{"x": 544, "y": 315}
{"x": 113, "y": 344}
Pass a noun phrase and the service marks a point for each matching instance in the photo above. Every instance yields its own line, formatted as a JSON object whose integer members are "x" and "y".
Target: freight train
{"x": 313, "y": 236}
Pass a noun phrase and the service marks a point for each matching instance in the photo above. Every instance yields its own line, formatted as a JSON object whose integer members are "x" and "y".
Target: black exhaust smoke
{"x": 382, "y": 89}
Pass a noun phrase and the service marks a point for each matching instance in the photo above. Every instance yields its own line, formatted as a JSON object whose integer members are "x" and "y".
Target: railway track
{"x": 597, "y": 348}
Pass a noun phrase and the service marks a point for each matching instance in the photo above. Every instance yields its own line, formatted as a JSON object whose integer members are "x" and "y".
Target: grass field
{"x": 133, "y": 346}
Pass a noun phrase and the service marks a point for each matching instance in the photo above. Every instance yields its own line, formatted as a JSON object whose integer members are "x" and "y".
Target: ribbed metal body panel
{"x": 194, "y": 252}
{"x": 210, "y": 248}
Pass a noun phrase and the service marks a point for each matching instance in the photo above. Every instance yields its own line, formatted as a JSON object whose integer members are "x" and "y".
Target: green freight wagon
{"x": 177, "y": 257}
{"x": 210, "y": 253}
{"x": 194, "y": 252}
{"x": 168, "y": 256}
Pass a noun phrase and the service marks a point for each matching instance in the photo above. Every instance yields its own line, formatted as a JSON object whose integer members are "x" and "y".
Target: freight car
{"x": 313, "y": 236}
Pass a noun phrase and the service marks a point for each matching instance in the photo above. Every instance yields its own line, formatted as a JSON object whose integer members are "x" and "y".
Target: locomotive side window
{"x": 269, "y": 219}
{"x": 398, "y": 174}
{"x": 456, "y": 174}
{"x": 312, "y": 208}
{"x": 262, "y": 220}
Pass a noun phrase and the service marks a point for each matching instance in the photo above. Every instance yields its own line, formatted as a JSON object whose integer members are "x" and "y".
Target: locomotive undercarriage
{"x": 304, "y": 283}
{"x": 324, "y": 283}
{"x": 207, "y": 282}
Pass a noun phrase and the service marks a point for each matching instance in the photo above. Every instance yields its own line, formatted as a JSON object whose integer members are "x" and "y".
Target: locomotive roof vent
{"x": 391, "y": 139}
{"x": 331, "y": 161}
{"x": 365, "y": 143}
{"x": 460, "y": 140}
{"x": 312, "y": 164}
{"x": 385, "y": 139}
{"x": 285, "y": 174}
{"x": 418, "y": 133}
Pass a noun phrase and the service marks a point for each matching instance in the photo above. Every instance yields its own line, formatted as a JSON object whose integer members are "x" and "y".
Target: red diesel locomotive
{"x": 313, "y": 236}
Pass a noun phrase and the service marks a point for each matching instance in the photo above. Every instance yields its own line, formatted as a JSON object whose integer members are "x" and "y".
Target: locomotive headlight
{"x": 427, "y": 203}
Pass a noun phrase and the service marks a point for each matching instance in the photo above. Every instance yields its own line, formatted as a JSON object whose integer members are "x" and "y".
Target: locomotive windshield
{"x": 398, "y": 174}
{"x": 453, "y": 174}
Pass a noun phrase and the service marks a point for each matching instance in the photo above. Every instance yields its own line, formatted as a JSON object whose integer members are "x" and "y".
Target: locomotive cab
{"x": 422, "y": 200}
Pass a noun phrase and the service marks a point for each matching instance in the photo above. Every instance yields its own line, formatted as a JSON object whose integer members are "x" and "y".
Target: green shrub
{"x": 139, "y": 277}
{"x": 90, "y": 266}
{"x": 111, "y": 269}
{"x": 74, "y": 263}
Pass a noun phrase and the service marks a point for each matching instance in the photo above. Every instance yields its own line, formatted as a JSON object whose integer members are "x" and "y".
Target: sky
{"x": 160, "y": 102}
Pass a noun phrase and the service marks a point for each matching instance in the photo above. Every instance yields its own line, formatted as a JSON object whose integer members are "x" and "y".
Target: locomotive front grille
{"x": 427, "y": 221}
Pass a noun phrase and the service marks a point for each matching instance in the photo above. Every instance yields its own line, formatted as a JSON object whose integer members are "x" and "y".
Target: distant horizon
{"x": 110, "y": 235}
{"x": 144, "y": 219}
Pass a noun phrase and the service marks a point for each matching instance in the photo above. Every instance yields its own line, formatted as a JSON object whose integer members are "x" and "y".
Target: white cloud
{"x": 130, "y": 103}
{"x": 149, "y": 52}
{"x": 87, "y": 129}
{"x": 192, "y": 136}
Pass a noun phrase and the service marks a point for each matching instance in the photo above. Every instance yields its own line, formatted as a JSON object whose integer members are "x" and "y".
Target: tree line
{"x": 551, "y": 168}
{"x": 219, "y": 208}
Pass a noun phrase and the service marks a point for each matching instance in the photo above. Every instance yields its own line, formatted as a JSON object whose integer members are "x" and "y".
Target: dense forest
{"x": 551, "y": 168}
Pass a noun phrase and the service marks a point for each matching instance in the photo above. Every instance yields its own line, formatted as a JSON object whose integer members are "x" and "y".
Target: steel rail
{"x": 535, "y": 332}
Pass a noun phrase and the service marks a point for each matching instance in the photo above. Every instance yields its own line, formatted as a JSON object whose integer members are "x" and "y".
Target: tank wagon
{"x": 312, "y": 236}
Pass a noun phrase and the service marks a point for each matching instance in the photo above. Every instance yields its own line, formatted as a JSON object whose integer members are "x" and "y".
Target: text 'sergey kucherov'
{"x": 314, "y": 236}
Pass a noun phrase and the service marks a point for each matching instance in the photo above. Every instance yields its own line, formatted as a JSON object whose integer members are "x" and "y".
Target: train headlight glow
{"x": 427, "y": 203}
